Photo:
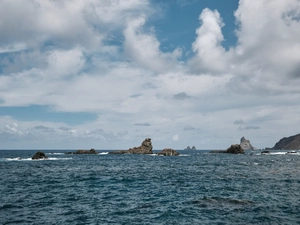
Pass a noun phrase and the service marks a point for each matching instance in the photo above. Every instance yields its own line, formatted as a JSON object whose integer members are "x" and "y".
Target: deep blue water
{"x": 194, "y": 188}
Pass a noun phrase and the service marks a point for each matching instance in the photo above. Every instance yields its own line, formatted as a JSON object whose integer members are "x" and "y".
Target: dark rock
{"x": 188, "y": 148}
{"x": 168, "y": 152}
{"x": 288, "y": 143}
{"x": 265, "y": 152}
{"x": 40, "y": 155}
{"x": 145, "y": 148}
{"x": 92, "y": 151}
{"x": 233, "y": 149}
{"x": 246, "y": 145}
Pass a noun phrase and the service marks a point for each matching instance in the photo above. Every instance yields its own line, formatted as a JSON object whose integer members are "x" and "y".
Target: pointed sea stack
{"x": 246, "y": 145}
{"x": 145, "y": 148}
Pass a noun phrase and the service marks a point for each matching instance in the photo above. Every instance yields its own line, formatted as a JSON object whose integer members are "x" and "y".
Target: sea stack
{"x": 144, "y": 148}
{"x": 246, "y": 145}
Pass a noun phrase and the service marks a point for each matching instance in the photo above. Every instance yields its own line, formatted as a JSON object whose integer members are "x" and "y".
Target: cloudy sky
{"x": 106, "y": 74}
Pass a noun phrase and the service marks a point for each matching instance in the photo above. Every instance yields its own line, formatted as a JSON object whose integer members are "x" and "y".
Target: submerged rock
{"x": 92, "y": 151}
{"x": 39, "y": 155}
{"x": 145, "y": 148}
{"x": 233, "y": 149}
{"x": 168, "y": 152}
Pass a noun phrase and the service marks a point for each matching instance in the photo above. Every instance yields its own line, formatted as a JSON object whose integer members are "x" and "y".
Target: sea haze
{"x": 193, "y": 188}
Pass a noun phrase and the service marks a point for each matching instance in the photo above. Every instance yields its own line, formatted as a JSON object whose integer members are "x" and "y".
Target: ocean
{"x": 193, "y": 188}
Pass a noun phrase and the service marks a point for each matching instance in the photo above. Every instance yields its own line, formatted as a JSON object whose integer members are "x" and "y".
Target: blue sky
{"x": 107, "y": 74}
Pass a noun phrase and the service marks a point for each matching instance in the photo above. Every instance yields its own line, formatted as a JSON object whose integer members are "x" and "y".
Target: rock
{"x": 246, "y": 145}
{"x": 145, "y": 148}
{"x": 233, "y": 149}
{"x": 92, "y": 151}
{"x": 288, "y": 143}
{"x": 40, "y": 155}
{"x": 188, "y": 148}
{"x": 265, "y": 152}
{"x": 168, "y": 152}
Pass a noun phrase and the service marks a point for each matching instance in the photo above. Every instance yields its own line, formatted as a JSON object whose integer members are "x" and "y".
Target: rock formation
{"x": 246, "y": 145}
{"x": 92, "y": 151}
{"x": 40, "y": 155}
{"x": 189, "y": 148}
{"x": 287, "y": 143}
{"x": 233, "y": 149}
{"x": 145, "y": 148}
{"x": 168, "y": 152}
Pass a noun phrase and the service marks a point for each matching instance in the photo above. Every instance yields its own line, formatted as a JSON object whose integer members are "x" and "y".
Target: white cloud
{"x": 62, "y": 53}
{"x": 209, "y": 54}
{"x": 143, "y": 48}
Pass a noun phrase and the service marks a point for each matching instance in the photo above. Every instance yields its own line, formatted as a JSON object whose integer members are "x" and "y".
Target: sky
{"x": 106, "y": 74}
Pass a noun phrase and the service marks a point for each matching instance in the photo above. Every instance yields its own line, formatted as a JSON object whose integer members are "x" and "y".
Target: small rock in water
{"x": 40, "y": 155}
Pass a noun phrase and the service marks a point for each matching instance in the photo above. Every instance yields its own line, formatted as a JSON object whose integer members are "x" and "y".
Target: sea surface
{"x": 193, "y": 188}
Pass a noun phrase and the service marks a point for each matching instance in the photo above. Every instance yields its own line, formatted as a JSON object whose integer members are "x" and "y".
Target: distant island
{"x": 189, "y": 148}
{"x": 287, "y": 143}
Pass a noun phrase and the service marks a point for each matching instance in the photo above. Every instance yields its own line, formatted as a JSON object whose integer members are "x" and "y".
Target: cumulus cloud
{"x": 143, "y": 48}
{"x": 103, "y": 57}
{"x": 209, "y": 54}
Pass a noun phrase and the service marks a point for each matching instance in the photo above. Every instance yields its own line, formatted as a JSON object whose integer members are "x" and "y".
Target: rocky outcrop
{"x": 287, "y": 143}
{"x": 39, "y": 155}
{"x": 91, "y": 152}
{"x": 145, "y": 148}
{"x": 233, "y": 149}
{"x": 189, "y": 148}
{"x": 168, "y": 152}
{"x": 246, "y": 145}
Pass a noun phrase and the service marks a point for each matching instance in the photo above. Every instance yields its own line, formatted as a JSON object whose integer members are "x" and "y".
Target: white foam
{"x": 56, "y": 153}
{"x": 18, "y": 159}
{"x": 30, "y": 159}
{"x": 57, "y": 158}
{"x": 103, "y": 153}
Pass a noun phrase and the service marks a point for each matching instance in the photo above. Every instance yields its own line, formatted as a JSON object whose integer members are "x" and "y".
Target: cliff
{"x": 288, "y": 143}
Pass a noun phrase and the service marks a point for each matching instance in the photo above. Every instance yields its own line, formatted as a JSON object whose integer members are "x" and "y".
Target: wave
{"x": 103, "y": 153}
{"x": 56, "y": 153}
{"x": 282, "y": 153}
{"x": 30, "y": 159}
